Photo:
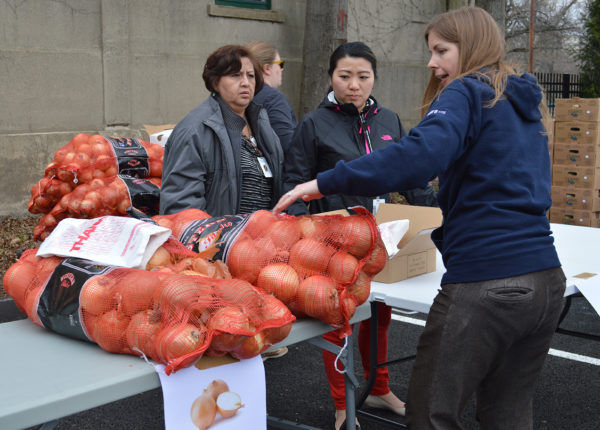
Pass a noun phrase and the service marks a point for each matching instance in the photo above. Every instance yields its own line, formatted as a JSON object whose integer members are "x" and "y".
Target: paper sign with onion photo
{"x": 224, "y": 397}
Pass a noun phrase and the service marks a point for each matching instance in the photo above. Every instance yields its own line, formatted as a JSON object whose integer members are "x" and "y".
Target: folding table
{"x": 47, "y": 376}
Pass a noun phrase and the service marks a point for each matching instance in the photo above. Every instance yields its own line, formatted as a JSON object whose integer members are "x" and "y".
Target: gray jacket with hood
{"x": 201, "y": 167}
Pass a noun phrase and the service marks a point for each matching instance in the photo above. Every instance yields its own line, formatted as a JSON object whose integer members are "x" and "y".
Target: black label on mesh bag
{"x": 144, "y": 195}
{"x": 59, "y": 303}
{"x": 132, "y": 157}
{"x": 203, "y": 233}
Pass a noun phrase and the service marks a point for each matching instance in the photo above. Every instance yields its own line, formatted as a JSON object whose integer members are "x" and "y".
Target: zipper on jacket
{"x": 364, "y": 128}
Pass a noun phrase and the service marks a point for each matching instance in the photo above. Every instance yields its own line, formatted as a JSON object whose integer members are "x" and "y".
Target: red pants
{"x": 336, "y": 379}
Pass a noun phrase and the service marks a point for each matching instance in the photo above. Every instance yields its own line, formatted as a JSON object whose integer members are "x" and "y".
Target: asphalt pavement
{"x": 567, "y": 396}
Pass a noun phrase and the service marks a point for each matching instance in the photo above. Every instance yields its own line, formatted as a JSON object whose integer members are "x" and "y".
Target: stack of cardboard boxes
{"x": 576, "y": 163}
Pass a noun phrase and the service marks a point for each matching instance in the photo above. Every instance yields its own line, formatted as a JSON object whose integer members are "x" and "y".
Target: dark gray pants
{"x": 487, "y": 337}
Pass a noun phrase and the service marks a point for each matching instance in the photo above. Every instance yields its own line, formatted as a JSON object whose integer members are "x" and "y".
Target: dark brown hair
{"x": 227, "y": 60}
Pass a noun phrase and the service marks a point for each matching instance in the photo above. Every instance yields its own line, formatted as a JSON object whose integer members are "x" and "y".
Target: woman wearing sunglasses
{"x": 280, "y": 111}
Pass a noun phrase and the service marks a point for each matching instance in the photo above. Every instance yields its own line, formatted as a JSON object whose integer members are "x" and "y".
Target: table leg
{"x": 350, "y": 385}
{"x": 350, "y": 381}
{"x": 373, "y": 366}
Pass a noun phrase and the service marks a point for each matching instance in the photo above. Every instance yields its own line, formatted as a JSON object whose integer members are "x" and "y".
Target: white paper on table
{"x": 590, "y": 288}
{"x": 392, "y": 233}
{"x": 109, "y": 240}
{"x": 246, "y": 378}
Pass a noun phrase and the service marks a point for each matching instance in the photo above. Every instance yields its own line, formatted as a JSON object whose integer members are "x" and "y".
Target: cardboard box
{"x": 417, "y": 253}
{"x": 576, "y": 176}
{"x": 574, "y": 217}
{"x": 577, "y": 109}
{"x": 577, "y": 132}
{"x": 159, "y": 133}
{"x": 576, "y": 198}
{"x": 576, "y": 154}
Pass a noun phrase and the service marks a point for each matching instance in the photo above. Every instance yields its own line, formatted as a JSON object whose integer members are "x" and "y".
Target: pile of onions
{"x": 84, "y": 158}
{"x": 319, "y": 266}
{"x": 173, "y": 318}
{"x": 87, "y": 157}
{"x": 100, "y": 197}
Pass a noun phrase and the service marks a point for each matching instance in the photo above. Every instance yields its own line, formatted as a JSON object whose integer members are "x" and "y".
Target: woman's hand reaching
{"x": 306, "y": 191}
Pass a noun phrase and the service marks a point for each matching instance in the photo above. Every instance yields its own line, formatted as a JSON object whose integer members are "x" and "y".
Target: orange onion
{"x": 342, "y": 267}
{"x": 284, "y": 233}
{"x": 259, "y": 223}
{"x": 136, "y": 290}
{"x": 109, "y": 331}
{"x": 161, "y": 257}
{"x": 311, "y": 226}
{"x": 141, "y": 332}
{"x": 310, "y": 257}
{"x": 97, "y": 295}
{"x": 319, "y": 298}
{"x": 355, "y": 234}
{"x": 361, "y": 288}
{"x": 377, "y": 260}
{"x": 279, "y": 279}
{"x": 250, "y": 347}
{"x": 179, "y": 340}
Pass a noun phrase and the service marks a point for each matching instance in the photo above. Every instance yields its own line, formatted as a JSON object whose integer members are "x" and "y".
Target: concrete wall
{"x": 110, "y": 66}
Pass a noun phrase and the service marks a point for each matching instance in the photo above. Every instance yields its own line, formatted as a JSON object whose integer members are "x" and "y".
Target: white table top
{"x": 47, "y": 376}
{"x": 577, "y": 249}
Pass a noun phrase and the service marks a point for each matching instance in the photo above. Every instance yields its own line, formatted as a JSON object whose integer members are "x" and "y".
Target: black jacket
{"x": 281, "y": 113}
{"x": 335, "y": 132}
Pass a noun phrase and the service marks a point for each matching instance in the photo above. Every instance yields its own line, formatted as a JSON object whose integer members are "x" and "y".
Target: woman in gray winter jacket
{"x": 223, "y": 157}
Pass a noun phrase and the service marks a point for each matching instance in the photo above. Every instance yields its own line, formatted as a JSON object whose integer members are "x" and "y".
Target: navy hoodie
{"x": 494, "y": 170}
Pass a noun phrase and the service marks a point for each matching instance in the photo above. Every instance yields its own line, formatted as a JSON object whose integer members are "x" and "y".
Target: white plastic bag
{"x": 109, "y": 240}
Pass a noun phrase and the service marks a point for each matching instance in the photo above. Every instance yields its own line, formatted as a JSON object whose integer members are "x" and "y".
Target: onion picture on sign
{"x": 217, "y": 393}
{"x": 216, "y": 400}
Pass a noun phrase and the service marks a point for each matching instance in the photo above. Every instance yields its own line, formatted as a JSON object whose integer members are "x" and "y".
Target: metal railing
{"x": 558, "y": 86}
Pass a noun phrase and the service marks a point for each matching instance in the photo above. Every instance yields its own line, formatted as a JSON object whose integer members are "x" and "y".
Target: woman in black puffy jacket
{"x": 348, "y": 124}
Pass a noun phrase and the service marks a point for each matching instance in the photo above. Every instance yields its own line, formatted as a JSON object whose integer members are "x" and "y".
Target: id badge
{"x": 376, "y": 203}
{"x": 264, "y": 167}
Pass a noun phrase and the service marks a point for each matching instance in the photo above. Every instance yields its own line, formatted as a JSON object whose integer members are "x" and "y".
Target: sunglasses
{"x": 280, "y": 62}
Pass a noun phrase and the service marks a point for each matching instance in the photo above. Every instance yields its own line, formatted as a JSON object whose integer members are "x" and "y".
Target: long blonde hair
{"x": 264, "y": 52}
{"x": 480, "y": 50}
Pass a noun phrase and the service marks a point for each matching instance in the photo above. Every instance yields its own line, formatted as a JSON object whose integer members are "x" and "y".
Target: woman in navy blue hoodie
{"x": 490, "y": 326}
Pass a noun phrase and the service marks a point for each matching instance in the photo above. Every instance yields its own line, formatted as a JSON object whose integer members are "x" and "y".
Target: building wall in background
{"x": 111, "y": 66}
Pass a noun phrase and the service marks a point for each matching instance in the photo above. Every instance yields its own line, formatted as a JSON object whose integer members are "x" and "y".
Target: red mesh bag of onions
{"x": 88, "y": 157}
{"x": 320, "y": 266}
{"x": 115, "y": 195}
{"x": 173, "y": 318}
